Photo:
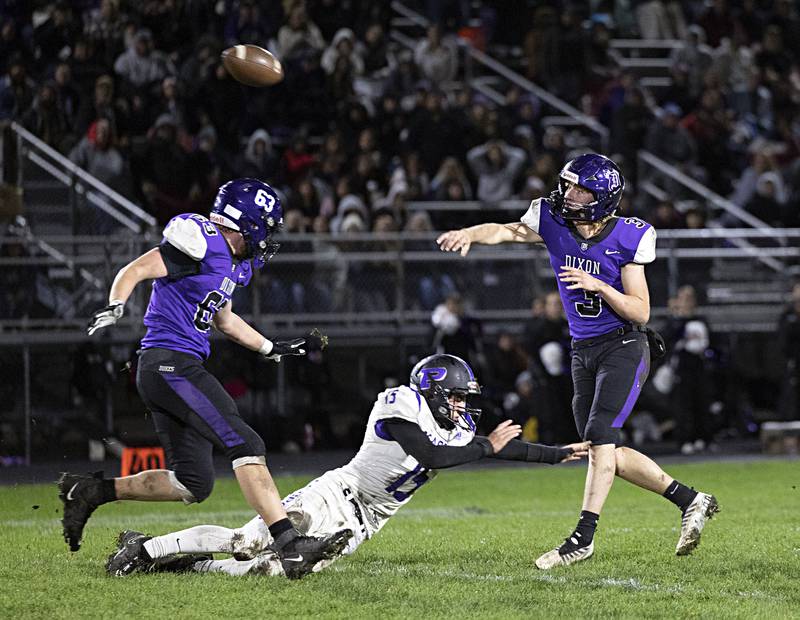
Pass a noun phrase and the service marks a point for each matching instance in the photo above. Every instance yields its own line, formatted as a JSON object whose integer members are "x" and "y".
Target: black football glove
{"x": 105, "y": 317}
{"x": 286, "y": 347}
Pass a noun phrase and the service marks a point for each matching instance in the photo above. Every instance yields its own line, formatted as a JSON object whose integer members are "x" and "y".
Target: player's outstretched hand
{"x": 105, "y": 317}
{"x": 505, "y": 432}
{"x": 454, "y": 241}
{"x": 286, "y": 347}
{"x": 576, "y": 451}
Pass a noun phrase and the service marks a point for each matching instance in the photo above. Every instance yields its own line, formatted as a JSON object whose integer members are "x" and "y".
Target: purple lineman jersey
{"x": 181, "y": 309}
{"x": 622, "y": 241}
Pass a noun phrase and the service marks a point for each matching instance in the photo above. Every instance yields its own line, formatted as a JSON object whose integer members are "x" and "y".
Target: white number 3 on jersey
{"x": 263, "y": 199}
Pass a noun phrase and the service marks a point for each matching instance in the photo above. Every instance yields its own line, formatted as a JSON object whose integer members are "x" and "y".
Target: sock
{"x": 587, "y": 524}
{"x": 108, "y": 493}
{"x": 680, "y": 495}
{"x": 162, "y": 546}
{"x": 282, "y": 532}
{"x": 198, "y": 539}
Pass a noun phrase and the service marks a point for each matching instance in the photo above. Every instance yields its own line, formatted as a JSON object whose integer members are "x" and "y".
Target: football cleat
{"x": 80, "y": 495}
{"x": 299, "y": 556}
{"x": 177, "y": 563}
{"x": 130, "y": 555}
{"x": 568, "y": 553}
{"x": 702, "y": 508}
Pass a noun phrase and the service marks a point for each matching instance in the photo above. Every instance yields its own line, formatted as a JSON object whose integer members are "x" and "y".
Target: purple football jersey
{"x": 180, "y": 311}
{"x": 622, "y": 241}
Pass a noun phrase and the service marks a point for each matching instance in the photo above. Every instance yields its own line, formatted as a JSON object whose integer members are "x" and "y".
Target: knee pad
{"x": 193, "y": 489}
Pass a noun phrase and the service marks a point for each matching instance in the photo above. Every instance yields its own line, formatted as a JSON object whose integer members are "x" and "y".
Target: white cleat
{"x": 702, "y": 508}
{"x": 554, "y": 558}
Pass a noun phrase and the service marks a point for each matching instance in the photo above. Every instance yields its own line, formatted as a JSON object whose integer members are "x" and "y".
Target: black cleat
{"x": 130, "y": 556}
{"x": 299, "y": 556}
{"x": 80, "y": 495}
{"x": 177, "y": 563}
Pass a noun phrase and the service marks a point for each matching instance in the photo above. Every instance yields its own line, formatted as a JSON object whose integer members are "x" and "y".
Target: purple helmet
{"x": 599, "y": 175}
{"x": 252, "y": 208}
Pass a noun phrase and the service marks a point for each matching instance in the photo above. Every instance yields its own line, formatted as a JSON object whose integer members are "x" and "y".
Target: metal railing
{"x": 388, "y": 283}
{"x": 652, "y": 170}
{"x": 571, "y": 115}
{"x": 80, "y": 183}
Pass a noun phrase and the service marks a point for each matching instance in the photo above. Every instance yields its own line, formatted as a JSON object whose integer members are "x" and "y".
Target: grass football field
{"x": 462, "y": 548}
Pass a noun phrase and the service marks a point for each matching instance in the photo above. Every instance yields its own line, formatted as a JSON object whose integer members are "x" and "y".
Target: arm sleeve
{"x": 416, "y": 443}
{"x": 516, "y": 450}
{"x": 178, "y": 264}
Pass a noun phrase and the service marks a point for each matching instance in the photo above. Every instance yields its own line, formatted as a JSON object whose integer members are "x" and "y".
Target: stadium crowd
{"x": 136, "y": 94}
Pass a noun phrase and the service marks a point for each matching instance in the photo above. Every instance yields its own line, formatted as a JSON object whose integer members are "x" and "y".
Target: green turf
{"x": 463, "y": 547}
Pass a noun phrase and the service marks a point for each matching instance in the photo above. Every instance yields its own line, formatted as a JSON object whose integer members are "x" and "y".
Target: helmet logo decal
{"x": 613, "y": 180}
{"x": 428, "y": 374}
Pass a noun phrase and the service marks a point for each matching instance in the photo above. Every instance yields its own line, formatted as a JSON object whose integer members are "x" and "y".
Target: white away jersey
{"x": 382, "y": 475}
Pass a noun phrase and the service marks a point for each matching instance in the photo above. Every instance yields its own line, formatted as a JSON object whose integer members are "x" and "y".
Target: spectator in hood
{"x": 259, "y": 160}
{"x": 352, "y": 207}
{"x": 343, "y": 46}
{"x": 141, "y": 65}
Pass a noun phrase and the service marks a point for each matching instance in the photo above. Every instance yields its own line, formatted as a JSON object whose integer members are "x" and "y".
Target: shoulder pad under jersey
{"x": 401, "y": 403}
{"x": 186, "y": 234}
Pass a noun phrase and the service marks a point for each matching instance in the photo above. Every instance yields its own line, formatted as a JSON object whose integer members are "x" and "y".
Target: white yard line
{"x": 632, "y": 583}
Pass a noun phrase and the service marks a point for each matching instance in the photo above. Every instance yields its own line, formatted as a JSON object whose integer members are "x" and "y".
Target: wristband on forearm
{"x": 266, "y": 347}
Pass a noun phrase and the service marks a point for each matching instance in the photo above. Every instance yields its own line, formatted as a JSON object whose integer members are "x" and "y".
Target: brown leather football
{"x": 252, "y": 65}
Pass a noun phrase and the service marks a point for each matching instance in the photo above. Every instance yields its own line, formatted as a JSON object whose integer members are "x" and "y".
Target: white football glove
{"x": 276, "y": 350}
{"x": 106, "y": 316}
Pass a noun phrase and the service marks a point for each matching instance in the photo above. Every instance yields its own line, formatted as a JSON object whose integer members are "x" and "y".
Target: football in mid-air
{"x": 252, "y": 65}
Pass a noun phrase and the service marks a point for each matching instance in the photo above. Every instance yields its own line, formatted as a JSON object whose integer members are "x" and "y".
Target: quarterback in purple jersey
{"x": 195, "y": 271}
{"x": 599, "y": 260}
